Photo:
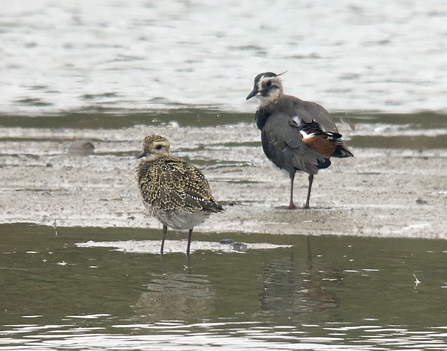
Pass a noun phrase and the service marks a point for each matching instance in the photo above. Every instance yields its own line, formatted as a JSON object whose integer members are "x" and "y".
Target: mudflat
{"x": 382, "y": 191}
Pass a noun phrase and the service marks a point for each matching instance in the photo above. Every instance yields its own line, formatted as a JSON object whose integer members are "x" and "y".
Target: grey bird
{"x": 296, "y": 135}
{"x": 174, "y": 191}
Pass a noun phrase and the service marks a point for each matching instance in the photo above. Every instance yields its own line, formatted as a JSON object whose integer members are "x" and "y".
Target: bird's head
{"x": 154, "y": 147}
{"x": 267, "y": 88}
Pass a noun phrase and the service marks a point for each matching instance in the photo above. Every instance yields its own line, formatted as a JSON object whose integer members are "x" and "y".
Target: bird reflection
{"x": 187, "y": 264}
{"x": 292, "y": 286}
{"x": 176, "y": 296}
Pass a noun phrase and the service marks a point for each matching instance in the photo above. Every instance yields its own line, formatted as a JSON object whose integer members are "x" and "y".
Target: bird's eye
{"x": 158, "y": 147}
{"x": 269, "y": 83}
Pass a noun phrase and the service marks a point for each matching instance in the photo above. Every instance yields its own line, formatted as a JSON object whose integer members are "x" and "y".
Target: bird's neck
{"x": 266, "y": 108}
{"x": 261, "y": 116}
{"x": 267, "y": 104}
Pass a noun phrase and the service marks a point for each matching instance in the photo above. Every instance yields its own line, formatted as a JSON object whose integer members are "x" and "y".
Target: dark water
{"x": 322, "y": 292}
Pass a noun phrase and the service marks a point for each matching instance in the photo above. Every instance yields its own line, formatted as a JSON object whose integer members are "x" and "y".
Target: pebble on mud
{"x": 81, "y": 147}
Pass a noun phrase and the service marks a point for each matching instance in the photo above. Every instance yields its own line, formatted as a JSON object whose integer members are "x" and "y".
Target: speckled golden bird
{"x": 174, "y": 191}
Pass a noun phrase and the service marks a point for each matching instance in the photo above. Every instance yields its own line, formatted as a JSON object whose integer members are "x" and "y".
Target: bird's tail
{"x": 341, "y": 150}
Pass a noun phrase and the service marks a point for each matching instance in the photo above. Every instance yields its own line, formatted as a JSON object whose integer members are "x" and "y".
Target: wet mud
{"x": 382, "y": 191}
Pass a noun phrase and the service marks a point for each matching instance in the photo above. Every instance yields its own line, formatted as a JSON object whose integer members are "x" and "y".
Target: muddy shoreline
{"x": 385, "y": 192}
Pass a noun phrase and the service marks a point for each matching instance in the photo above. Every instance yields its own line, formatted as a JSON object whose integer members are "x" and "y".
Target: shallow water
{"x": 347, "y": 55}
{"x": 322, "y": 292}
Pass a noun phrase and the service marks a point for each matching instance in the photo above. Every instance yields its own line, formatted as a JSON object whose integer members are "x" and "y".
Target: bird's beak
{"x": 143, "y": 154}
{"x": 253, "y": 93}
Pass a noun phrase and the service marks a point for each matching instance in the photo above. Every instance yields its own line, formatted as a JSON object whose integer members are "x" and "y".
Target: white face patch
{"x": 261, "y": 83}
{"x": 154, "y": 151}
{"x": 272, "y": 94}
{"x": 151, "y": 157}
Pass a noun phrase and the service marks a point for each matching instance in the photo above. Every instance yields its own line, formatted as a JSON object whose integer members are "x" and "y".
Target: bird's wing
{"x": 186, "y": 185}
{"x": 314, "y": 120}
{"x": 283, "y": 145}
{"x": 308, "y": 111}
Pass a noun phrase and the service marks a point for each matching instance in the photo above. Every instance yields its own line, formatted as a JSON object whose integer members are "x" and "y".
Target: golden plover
{"x": 296, "y": 135}
{"x": 173, "y": 191}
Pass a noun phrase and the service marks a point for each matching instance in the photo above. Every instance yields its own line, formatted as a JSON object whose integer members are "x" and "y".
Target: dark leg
{"x": 189, "y": 242}
{"x": 291, "y": 204}
{"x": 311, "y": 179}
{"x": 188, "y": 263}
{"x": 165, "y": 230}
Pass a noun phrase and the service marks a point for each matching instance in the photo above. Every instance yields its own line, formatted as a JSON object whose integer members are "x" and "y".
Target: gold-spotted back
{"x": 174, "y": 191}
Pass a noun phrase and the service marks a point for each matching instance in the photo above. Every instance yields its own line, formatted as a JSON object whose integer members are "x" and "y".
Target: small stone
{"x": 81, "y": 147}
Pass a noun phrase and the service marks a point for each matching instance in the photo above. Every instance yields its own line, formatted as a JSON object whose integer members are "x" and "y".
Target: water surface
{"x": 384, "y": 56}
{"x": 320, "y": 292}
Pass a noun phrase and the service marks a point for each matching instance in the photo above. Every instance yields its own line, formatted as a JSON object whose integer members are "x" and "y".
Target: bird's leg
{"x": 311, "y": 179}
{"x": 291, "y": 204}
{"x": 188, "y": 263}
{"x": 189, "y": 242}
{"x": 165, "y": 230}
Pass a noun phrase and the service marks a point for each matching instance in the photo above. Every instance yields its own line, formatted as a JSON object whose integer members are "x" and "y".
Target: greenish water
{"x": 323, "y": 291}
{"x": 195, "y": 117}
{"x": 371, "y": 130}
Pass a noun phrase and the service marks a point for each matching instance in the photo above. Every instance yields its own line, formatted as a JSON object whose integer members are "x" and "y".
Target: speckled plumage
{"x": 296, "y": 135}
{"x": 174, "y": 191}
